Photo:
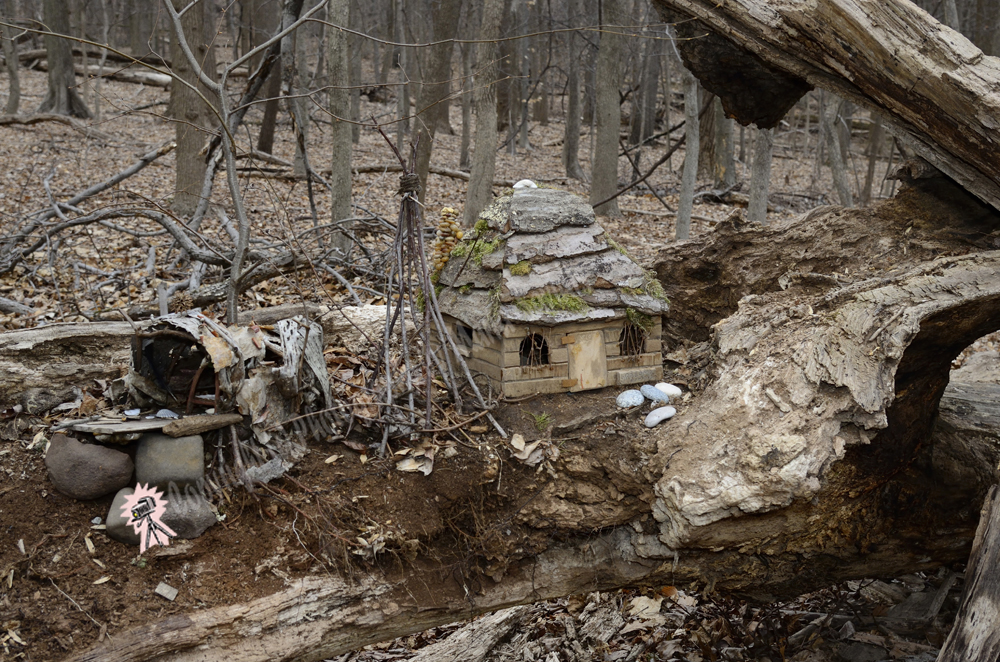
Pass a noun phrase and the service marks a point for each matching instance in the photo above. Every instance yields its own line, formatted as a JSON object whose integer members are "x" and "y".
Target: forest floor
{"x": 66, "y": 586}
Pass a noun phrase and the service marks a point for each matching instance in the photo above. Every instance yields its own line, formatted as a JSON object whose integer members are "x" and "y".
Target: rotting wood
{"x": 976, "y": 635}
{"x": 935, "y": 90}
{"x": 189, "y": 425}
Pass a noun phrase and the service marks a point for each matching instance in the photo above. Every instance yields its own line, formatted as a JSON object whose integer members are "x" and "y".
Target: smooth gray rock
{"x": 188, "y": 515}
{"x": 659, "y": 415}
{"x": 630, "y": 398}
{"x": 654, "y": 394}
{"x": 541, "y": 210}
{"x": 116, "y": 525}
{"x": 160, "y": 460}
{"x": 86, "y": 471}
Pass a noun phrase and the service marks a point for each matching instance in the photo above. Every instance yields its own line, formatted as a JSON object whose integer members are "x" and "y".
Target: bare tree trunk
{"x": 266, "y": 20}
{"x": 837, "y": 167}
{"x": 689, "y": 178}
{"x": 464, "y": 161}
{"x": 432, "y": 103}
{"x": 706, "y": 137}
{"x": 760, "y": 176}
{"x": 484, "y": 157}
{"x": 193, "y": 118}
{"x": 876, "y": 136}
{"x": 403, "y": 63}
{"x": 724, "y": 167}
{"x": 61, "y": 97}
{"x": 142, "y": 26}
{"x": 571, "y": 136}
{"x": 355, "y": 59}
{"x": 10, "y": 55}
{"x": 604, "y": 173}
{"x": 340, "y": 132}
{"x": 951, "y": 15}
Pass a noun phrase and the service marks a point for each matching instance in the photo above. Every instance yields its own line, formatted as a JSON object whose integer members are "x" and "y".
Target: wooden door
{"x": 588, "y": 361}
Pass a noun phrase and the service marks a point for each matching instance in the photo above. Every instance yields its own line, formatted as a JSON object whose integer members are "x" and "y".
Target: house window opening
{"x": 632, "y": 341}
{"x": 534, "y": 350}
{"x": 464, "y": 335}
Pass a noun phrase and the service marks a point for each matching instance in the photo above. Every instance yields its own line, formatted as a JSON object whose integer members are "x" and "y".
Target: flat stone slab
{"x": 471, "y": 309}
{"x": 606, "y": 270}
{"x": 161, "y": 460}
{"x": 618, "y": 299}
{"x": 535, "y": 210}
{"x": 512, "y": 313}
{"x": 113, "y": 426}
{"x": 559, "y": 243}
{"x": 459, "y": 272}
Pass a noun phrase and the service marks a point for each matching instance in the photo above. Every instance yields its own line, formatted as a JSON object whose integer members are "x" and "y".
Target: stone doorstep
{"x": 627, "y": 376}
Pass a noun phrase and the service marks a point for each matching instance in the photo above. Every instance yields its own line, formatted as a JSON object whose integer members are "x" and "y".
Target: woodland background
{"x": 119, "y": 194}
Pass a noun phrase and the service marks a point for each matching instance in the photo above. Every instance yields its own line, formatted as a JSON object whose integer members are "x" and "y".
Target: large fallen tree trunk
{"x": 935, "y": 89}
{"x": 814, "y": 449}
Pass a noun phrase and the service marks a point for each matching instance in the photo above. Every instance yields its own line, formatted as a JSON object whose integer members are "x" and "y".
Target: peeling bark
{"x": 936, "y": 90}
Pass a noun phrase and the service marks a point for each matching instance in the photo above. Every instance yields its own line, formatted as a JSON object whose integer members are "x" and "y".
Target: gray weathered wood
{"x": 935, "y": 89}
{"x": 976, "y": 635}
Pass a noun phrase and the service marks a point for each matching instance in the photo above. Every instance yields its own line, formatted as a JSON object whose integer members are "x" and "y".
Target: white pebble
{"x": 526, "y": 183}
{"x": 630, "y": 398}
{"x": 670, "y": 389}
{"x": 654, "y": 394}
{"x": 659, "y": 415}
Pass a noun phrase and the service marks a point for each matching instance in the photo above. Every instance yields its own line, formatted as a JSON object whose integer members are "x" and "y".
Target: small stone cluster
{"x": 659, "y": 394}
{"x": 449, "y": 233}
{"x": 175, "y": 466}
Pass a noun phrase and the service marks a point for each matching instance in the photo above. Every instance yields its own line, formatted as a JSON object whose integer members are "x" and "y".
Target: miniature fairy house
{"x": 540, "y": 300}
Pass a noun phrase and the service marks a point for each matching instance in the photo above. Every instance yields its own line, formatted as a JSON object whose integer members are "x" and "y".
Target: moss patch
{"x": 653, "y": 287}
{"x": 568, "y": 302}
{"x": 639, "y": 319}
{"x": 478, "y": 247}
{"x": 522, "y": 268}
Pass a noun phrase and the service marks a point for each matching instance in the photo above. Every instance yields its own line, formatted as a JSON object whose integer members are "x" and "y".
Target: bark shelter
{"x": 814, "y": 448}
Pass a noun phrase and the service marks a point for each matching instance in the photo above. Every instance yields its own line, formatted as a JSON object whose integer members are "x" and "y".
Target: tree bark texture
{"x": 760, "y": 176}
{"x": 62, "y": 97}
{"x": 571, "y": 137}
{"x": 193, "y": 117}
{"x": 480, "y": 191}
{"x": 976, "y": 635}
{"x": 604, "y": 169}
{"x": 691, "y": 149}
{"x": 10, "y": 56}
{"x": 340, "y": 107}
{"x": 432, "y": 104}
{"x": 935, "y": 89}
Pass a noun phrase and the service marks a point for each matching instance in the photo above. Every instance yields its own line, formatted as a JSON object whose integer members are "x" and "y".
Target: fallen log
{"x": 935, "y": 90}
{"x": 976, "y": 635}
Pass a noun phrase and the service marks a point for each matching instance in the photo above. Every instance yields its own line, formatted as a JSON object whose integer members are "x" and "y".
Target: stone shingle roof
{"x": 542, "y": 258}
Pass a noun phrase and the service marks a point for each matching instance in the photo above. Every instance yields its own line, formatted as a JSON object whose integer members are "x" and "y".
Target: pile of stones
{"x": 175, "y": 466}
